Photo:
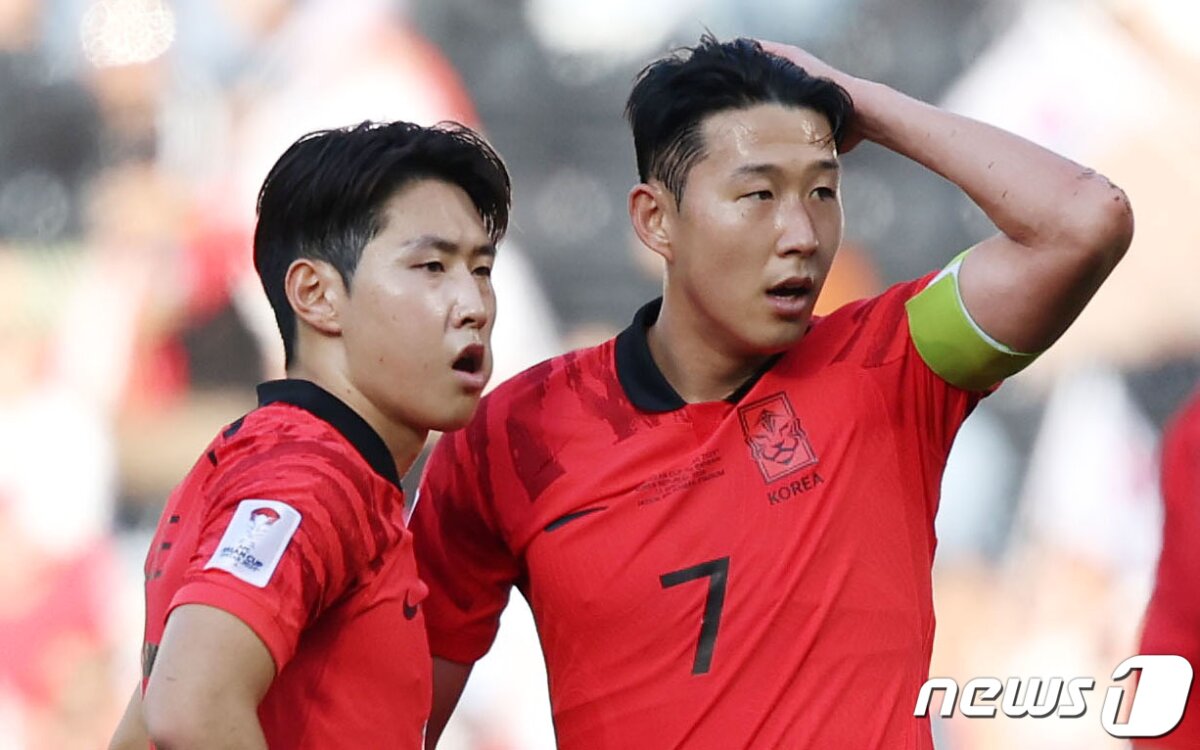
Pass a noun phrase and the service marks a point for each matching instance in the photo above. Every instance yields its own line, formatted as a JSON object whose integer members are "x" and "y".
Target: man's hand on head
{"x": 814, "y": 65}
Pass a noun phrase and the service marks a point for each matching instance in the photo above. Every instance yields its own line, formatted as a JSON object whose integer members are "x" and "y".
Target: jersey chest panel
{"x": 737, "y": 538}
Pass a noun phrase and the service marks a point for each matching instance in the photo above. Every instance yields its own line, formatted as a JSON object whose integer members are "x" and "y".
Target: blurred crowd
{"x": 133, "y": 138}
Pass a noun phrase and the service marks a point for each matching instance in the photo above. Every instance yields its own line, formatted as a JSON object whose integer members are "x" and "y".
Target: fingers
{"x": 811, "y": 63}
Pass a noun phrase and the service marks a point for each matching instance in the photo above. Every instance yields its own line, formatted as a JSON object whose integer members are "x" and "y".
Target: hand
{"x": 813, "y": 65}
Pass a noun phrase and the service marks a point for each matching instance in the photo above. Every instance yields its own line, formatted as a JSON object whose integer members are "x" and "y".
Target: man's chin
{"x": 455, "y": 419}
{"x": 783, "y": 337}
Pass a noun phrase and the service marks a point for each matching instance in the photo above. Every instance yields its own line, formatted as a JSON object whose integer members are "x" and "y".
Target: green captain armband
{"x": 951, "y": 343}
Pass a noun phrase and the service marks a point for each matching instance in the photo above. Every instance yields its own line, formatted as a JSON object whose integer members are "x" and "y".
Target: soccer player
{"x": 723, "y": 517}
{"x": 283, "y": 604}
{"x": 1172, "y": 623}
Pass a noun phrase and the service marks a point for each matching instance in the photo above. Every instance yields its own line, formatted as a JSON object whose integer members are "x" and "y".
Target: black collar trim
{"x": 325, "y": 406}
{"x": 644, "y": 383}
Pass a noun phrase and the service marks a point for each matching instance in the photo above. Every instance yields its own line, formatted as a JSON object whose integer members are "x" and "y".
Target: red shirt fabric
{"x": 747, "y": 573}
{"x": 1172, "y": 624}
{"x": 339, "y": 610}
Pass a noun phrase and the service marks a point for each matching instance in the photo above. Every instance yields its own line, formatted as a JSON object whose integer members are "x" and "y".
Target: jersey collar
{"x": 325, "y": 406}
{"x": 643, "y": 382}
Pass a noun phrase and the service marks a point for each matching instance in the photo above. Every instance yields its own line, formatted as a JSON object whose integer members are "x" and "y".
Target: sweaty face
{"x": 755, "y": 234}
{"x": 417, "y": 322}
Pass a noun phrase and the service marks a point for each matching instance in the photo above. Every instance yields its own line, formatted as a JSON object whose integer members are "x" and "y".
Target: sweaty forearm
{"x": 1032, "y": 195}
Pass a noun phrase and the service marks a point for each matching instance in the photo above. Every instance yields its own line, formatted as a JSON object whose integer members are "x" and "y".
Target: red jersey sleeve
{"x": 921, "y": 404}
{"x": 461, "y": 554}
{"x": 934, "y": 407}
{"x": 286, "y": 531}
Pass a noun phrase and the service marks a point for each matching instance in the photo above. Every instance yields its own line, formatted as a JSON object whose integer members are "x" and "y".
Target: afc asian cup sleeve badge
{"x": 255, "y": 539}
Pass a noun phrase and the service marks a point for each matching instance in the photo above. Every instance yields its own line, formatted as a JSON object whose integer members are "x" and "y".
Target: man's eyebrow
{"x": 755, "y": 169}
{"x": 822, "y": 165}
{"x": 444, "y": 245}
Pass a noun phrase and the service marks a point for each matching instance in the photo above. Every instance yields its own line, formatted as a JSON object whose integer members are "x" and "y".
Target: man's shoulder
{"x": 565, "y": 373}
{"x": 535, "y": 409}
{"x": 868, "y": 331}
{"x": 889, "y": 302}
{"x": 288, "y": 445}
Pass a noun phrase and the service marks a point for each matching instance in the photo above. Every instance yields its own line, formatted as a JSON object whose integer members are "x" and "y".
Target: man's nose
{"x": 797, "y": 234}
{"x": 470, "y": 303}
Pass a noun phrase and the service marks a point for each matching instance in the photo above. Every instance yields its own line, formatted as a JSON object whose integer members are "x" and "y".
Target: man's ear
{"x": 315, "y": 291}
{"x": 652, "y": 211}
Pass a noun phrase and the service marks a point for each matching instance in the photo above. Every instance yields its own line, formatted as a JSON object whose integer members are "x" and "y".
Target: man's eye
{"x": 435, "y": 266}
{"x": 825, "y": 193}
{"x": 760, "y": 195}
{"x": 484, "y": 271}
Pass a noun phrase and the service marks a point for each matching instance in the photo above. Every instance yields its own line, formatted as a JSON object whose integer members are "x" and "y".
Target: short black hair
{"x": 323, "y": 199}
{"x": 674, "y": 94}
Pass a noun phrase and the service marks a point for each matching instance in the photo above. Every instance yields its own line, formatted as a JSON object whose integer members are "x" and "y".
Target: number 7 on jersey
{"x": 717, "y": 572}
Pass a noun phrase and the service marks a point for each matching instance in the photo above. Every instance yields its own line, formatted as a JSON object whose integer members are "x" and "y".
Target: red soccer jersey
{"x": 749, "y": 573}
{"x": 1172, "y": 623}
{"x": 293, "y": 521}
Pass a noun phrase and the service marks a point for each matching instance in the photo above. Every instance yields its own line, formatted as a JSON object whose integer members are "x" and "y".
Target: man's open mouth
{"x": 470, "y": 360}
{"x": 792, "y": 288}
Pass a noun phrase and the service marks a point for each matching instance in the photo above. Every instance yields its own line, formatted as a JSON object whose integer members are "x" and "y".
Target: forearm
{"x": 1062, "y": 227}
{"x": 213, "y": 728}
{"x": 131, "y": 732}
{"x": 449, "y": 679}
{"x": 1034, "y": 196}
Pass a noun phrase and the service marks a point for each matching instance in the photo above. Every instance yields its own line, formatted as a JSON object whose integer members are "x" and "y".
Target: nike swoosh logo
{"x": 410, "y": 610}
{"x": 561, "y": 521}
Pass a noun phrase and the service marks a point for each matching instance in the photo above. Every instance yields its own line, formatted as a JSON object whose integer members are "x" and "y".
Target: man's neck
{"x": 402, "y": 441}
{"x": 695, "y": 365}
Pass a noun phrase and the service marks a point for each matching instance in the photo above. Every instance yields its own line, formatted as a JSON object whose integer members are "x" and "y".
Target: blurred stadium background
{"x": 133, "y": 137}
